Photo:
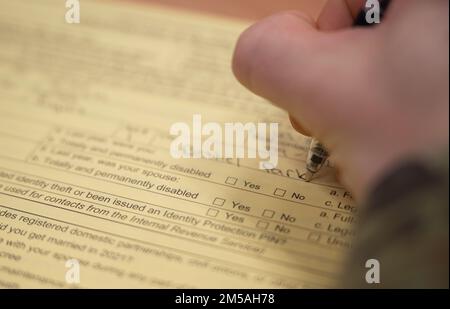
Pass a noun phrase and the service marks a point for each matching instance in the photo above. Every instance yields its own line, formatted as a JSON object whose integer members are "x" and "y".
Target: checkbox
{"x": 262, "y": 225}
{"x": 315, "y": 237}
{"x": 212, "y": 212}
{"x": 231, "y": 181}
{"x": 218, "y": 201}
{"x": 279, "y": 192}
{"x": 268, "y": 213}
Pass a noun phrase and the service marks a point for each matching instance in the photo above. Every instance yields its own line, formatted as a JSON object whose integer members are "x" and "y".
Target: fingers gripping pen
{"x": 318, "y": 154}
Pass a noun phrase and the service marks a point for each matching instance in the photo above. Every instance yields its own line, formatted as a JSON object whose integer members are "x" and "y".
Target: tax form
{"x": 87, "y": 183}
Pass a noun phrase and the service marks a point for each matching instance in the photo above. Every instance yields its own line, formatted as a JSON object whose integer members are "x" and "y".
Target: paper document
{"x": 89, "y": 193}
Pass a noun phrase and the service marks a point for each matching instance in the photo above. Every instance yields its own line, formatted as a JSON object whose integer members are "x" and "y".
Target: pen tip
{"x": 308, "y": 176}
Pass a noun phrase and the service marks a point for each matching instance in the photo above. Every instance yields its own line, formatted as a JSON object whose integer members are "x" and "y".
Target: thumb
{"x": 316, "y": 76}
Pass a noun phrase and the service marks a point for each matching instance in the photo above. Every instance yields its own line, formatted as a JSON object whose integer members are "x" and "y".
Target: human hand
{"x": 373, "y": 96}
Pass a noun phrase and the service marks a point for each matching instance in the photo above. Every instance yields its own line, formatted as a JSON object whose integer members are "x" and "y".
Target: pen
{"x": 317, "y": 153}
{"x": 317, "y": 156}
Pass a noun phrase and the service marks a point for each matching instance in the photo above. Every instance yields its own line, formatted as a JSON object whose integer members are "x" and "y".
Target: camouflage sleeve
{"x": 404, "y": 231}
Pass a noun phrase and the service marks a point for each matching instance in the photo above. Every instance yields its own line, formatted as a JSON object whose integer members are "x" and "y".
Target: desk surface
{"x": 246, "y": 9}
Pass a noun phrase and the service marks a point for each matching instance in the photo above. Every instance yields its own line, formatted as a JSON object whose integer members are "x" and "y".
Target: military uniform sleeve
{"x": 404, "y": 229}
